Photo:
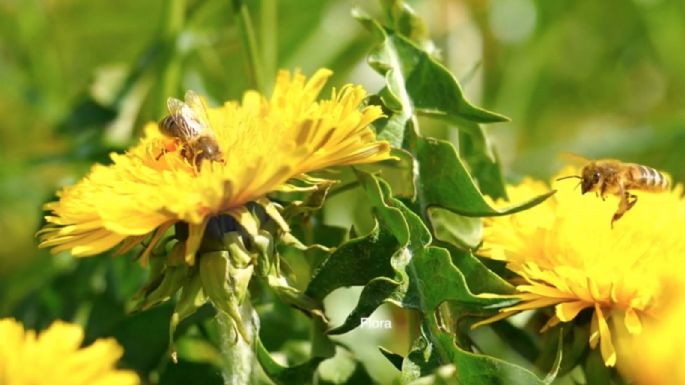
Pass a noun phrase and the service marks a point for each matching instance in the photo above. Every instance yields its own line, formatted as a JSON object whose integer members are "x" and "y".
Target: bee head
{"x": 590, "y": 178}
{"x": 206, "y": 148}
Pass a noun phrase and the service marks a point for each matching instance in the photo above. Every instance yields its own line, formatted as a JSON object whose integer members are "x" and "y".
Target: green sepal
{"x": 191, "y": 299}
{"x": 172, "y": 279}
{"x": 215, "y": 276}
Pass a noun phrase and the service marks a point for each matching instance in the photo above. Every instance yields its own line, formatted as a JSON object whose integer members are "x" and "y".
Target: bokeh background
{"x": 79, "y": 78}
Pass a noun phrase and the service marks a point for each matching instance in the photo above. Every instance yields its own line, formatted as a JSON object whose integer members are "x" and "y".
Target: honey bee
{"x": 613, "y": 177}
{"x": 188, "y": 123}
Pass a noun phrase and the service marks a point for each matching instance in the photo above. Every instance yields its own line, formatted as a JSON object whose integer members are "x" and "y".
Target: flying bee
{"x": 613, "y": 177}
{"x": 188, "y": 123}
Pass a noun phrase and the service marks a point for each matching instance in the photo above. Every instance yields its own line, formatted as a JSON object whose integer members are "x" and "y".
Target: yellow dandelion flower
{"x": 55, "y": 357}
{"x": 568, "y": 256}
{"x": 268, "y": 145}
{"x": 661, "y": 345}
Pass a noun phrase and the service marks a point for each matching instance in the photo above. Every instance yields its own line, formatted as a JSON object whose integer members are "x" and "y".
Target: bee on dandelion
{"x": 566, "y": 257}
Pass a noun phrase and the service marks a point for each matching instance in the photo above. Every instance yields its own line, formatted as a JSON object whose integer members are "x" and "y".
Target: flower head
{"x": 55, "y": 357}
{"x": 268, "y": 145}
{"x": 568, "y": 256}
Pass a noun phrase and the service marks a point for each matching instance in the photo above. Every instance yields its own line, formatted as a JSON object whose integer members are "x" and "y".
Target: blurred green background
{"x": 79, "y": 78}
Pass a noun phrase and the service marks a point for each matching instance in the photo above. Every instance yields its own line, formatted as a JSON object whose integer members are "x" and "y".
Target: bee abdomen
{"x": 651, "y": 179}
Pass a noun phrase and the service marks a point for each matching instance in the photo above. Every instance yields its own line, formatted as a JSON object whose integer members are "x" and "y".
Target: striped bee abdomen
{"x": 650, "y": 179}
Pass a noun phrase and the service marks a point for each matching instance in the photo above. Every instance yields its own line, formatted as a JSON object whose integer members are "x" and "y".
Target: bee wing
{"x": 174, "y": 106}
{"x": 196, "y": 112}
{"x": 573, "y": 158}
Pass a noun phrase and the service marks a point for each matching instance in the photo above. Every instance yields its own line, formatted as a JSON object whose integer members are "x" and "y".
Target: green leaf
{"x": 522, "y": 341}
{"x": 416, "y": 84}
{"x": 343, "y": 369}
{"x": 422, "y": 276}
{"x": 284, "y": 375}
{"x": 465, "y": 232}
{"x": 373, "y": 295}
{"x": 444, "y": 375}
{"x": 480, "y": 155}
{"x": 394, "y": 358}
{"x": 398, "y": 173}
{"x": 432, "y": 279}
{"x": 471, "y": 368}
{"x": 480, "y": 278}
{"x": 476, "y": 369}
{"x": 355, "y": 263}
{"x": 405, "y": 21}
{"x": 554, "y": 371}
{"x": 452, "y": 187}
{"x": 421, "y": 361}
{"x": 574, "y": 346}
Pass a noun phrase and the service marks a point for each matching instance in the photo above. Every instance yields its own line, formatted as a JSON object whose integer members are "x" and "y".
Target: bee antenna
{"x": 569, "y": 177}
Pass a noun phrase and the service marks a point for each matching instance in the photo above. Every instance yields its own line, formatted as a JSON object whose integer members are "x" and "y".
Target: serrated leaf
{"x": 423, "y": 276}
{"x": 476, "y": 369}
{"x": 452, "y": 188}
{"x": 480, "y": 278}
{"x": 355, "y": 263}
{"x": 432, "y": 280}
{"x": 471, "y": 368}
{"x": 405, "y": 21}
{"x": 416, "y": 84}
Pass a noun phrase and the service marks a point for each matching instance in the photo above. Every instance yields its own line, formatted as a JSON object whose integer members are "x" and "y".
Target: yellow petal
{"x": 632, "y": 322}
{"x": 192, "y": 244}
{"x": 606, "y": 346}
{"x": 567, "y": 311}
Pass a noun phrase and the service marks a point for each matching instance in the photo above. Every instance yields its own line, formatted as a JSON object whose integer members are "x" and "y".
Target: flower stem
{"x": 269, "y": 39}
{"x": 171, "y": 29}
{"x": 239, "y": 358}
{"x": 249, "y": 41}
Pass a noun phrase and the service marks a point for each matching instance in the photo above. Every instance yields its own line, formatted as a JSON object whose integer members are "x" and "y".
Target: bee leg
{"x": 633, "y": 200}
{"x": 161, "y": 154}
{"x": 603, "y": 193}
{"x": 627, "y": 202}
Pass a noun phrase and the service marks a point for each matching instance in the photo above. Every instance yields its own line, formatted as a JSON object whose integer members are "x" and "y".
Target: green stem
{"x": 170, "y": 62}
{"x": 269, "y": 39}
{"x": 249, "y": 42}
{"x": 239, "y": 355}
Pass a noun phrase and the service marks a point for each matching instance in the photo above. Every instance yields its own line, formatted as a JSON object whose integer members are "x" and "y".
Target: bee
{"x": 613, "y": 177}
{"x": 188, "y": 123}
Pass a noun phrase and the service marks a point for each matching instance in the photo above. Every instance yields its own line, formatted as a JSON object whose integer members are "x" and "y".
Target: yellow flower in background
{"x": 55, "y": 357}
{"x": 268, "y": 145}
{"x": 656, "y": 357}
{"x": 567, "y": 255}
